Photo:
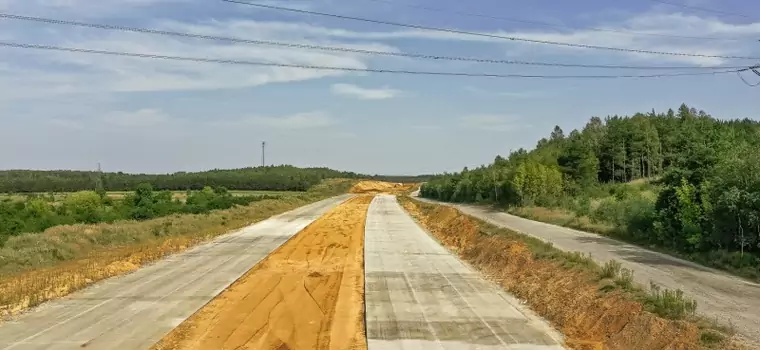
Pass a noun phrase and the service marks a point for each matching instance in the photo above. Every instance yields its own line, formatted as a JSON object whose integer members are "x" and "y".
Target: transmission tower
{"x": 99, "y": 179}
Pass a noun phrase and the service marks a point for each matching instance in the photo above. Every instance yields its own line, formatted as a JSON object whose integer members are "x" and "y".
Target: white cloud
{"x": 655, "y": 24}
{"x": 308, "y": 120}
{"x": 100, "y": 73}
{"x": 364, "y": 93}
{"x": 66, "y": 124}
{"x": 141, "y": 118}
{"x": 492, "y": 122}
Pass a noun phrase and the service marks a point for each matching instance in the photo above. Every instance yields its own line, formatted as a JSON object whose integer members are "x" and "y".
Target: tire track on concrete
{"x": 420, "y": 296}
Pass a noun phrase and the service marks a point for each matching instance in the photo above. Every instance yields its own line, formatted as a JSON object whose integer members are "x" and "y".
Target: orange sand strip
{"x": 308, "y": 294}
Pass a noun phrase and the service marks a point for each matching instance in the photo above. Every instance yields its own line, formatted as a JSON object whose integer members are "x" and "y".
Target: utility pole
{"x": 99, "y": 179}
{"x": 263, "y": 153}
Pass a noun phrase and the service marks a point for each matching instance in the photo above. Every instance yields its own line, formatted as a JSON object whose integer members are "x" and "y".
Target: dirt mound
{"x": 569, "y": 298}
{"x": 381, "y": 187}
{"x": 307, "y": 294}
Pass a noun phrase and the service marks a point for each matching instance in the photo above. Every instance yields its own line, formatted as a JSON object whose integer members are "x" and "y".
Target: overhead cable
{"x": 754, "y": 69}
{"x": 548, "y": 24}
{"x": 348, "y": 69}
{"x": 486, "y": 35}
{"x": 702, "y": 9}
{"x": 346, "y": 49}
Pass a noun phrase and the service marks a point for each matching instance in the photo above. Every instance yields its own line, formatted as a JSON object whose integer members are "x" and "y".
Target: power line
{"x": 756, "y": 70}
{"x": 349, "y": 69}
{"x": 486, "y": 35}
{"x": 342, "y": 49}
{"x": 703, "y": 9}
{"x": 548, "y": 24}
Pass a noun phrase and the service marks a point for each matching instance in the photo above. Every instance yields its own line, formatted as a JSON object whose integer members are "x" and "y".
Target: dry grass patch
{"x": 562, "y": 217}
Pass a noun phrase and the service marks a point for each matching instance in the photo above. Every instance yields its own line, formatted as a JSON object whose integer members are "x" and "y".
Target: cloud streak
{"x": 308, "y": 120}
{"x": 492, "y": 122}
{"x": 364, "y": 93}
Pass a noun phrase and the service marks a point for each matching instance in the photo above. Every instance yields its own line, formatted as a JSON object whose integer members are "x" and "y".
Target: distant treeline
{"x": 400, "y": 178}
{"x": 270, "y": 178}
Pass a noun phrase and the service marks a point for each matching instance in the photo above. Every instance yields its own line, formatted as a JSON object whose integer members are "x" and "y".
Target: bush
{"x": 608, "y": 211}
{"x": 639, "y": 217}
{"x": 669, "y": 303}
{"x": 635, "y": 215}
{"x": 625, "y": 279}
{"x": 611, "y": 269}
{"x": 583, "y": 207}
{"x": 38, "y": 213}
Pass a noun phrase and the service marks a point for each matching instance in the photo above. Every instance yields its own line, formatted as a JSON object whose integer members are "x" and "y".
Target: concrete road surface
{"x": 419, "y": 296}
{"x": 136, "y": 310}
{"x": 730, "y": 299}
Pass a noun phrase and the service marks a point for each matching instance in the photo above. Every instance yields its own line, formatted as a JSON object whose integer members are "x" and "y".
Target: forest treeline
{"x": 270, "y": 178}
{"x": 706, "y": 173}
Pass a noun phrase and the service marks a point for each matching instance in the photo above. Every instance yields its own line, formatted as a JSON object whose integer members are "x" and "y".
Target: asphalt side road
{"x": 732, "y": 300}
{"x": 136, "y": 310}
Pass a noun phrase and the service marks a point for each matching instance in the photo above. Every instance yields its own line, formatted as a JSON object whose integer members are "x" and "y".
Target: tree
{"x": 579, "y": 161}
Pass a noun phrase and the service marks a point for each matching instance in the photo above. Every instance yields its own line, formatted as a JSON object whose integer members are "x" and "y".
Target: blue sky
{"x": 71, "y": 111}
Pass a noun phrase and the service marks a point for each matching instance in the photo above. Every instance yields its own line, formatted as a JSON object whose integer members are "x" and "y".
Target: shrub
{"x": 611, "y": 269}
{"x": 669, "y": 303}
{"x": 583, "y": 206}
{"x": 625, "y": 279}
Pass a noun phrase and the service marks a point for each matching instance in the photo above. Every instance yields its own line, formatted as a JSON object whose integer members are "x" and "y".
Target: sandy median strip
{"x": 308, "y": 294}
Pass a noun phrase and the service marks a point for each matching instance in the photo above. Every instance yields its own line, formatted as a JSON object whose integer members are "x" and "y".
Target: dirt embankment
{"x": 382, "y": 187}
{"x": 569, "y": 298}
{"x": 307, "y": 294}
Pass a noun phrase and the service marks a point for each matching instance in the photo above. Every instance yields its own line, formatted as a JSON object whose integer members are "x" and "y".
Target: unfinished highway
{"x": 420, "y": 296}
{"x": 731, "y": 300}
{"x": 312, "y": 278}
{"x": 136, "y": 310}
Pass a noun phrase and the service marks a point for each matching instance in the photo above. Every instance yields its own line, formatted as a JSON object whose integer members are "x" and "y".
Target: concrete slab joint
{"x": 420, "y": 296}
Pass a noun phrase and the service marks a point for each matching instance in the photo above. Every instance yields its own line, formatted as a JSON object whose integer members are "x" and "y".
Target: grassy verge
{"x": 594, "y": 306}
{"x": 721, "y": 260}
{"x": 38, "y": 267}
{"x": 180, "y": 195}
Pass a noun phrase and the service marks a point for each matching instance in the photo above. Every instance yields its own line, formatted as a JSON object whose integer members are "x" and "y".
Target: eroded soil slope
{"x": 308, "y": 294}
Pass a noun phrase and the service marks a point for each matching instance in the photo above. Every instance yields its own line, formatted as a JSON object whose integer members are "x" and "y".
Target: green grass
{"x": 59, "y": 196}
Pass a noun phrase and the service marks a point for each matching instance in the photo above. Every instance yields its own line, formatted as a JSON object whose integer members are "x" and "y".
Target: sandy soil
{"x": 308, "y": 294}
{"x": 381, "y": 187}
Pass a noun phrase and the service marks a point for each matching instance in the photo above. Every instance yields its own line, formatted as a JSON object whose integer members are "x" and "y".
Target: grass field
{"x": 181, "y": 195}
